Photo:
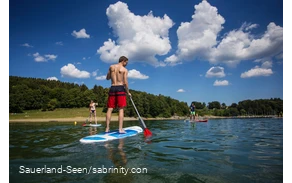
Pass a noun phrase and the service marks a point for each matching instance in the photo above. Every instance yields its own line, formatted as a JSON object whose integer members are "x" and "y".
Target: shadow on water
{"x": 223, "y": 150}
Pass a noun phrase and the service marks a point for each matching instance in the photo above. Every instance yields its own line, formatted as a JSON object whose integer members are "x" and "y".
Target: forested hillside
{"x": 34, "y": 93}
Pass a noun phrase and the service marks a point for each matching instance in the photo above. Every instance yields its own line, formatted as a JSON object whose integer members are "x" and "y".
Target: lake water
{"x": 221, "y": 150}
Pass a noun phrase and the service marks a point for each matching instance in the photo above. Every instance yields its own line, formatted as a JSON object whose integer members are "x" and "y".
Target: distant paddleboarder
{"x": 192, "y": 111}
{"x": 92, "y": 111}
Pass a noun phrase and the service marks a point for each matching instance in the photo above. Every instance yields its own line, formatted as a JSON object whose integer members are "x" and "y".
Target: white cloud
{"x": 51, "y": 57}
{"x": 101, "y": 77}
{"x": 80, "y": 34}
{"x": 40, "y": 58}
{"x": 134, "y": 74}
{"x": 257, "y": 71}
{"x": 180, "y": 90}
{"x": 59, "y": 43}
{"x": 52, "y": 78}
{"x": 249, "y": 26}
{"x": 215, "y": 72}
{"x": 198, "y": 39}
{"x": 27, "y": 45}
{"x": 94, "y": 73}
{"x": 267, "y": 64}
{"x": 221, "y": 83}
{"x": 140, "y": 38}
{"x": 173, "y": 60}
{"x": 71, "y": 71}
{"x": 239, "y": 45}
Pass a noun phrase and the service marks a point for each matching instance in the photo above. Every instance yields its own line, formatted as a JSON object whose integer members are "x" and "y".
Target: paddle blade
{"x": 147, "y": 132}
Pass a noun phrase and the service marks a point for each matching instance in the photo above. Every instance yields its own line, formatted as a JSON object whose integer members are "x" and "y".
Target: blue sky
{"x": 204, "y": 51}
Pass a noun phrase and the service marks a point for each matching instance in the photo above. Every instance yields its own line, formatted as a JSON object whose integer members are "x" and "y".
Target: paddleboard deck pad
{"x": 112, "y": 135}
{"x": 93, "y": 125}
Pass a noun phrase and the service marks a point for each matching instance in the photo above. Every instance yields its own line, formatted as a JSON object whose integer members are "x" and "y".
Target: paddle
{"x": 86, "y": 121}
{"x": 147, "y": 132}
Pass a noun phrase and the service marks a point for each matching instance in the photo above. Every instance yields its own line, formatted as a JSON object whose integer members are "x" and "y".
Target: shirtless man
{"x": 118, "y": 75}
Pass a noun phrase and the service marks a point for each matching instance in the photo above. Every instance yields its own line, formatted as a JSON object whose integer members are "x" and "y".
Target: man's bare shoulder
{"x": 112, "y": 67}
{"x": 124, "y": 69}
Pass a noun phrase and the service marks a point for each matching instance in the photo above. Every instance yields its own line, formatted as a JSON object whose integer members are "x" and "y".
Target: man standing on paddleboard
{"x": 193, "y": 112}
{"x": 118, "y": 75}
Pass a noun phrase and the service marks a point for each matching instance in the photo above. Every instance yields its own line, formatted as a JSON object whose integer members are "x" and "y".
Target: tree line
{"x": 259, "y": 107}
{"x": 41, "y": 94}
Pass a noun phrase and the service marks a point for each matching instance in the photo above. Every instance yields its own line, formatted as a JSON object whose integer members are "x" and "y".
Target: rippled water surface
{"x": 221, "y": 150}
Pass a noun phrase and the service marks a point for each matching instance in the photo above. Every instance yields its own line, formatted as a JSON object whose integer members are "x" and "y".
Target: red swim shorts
{"x": 117, "y": 97}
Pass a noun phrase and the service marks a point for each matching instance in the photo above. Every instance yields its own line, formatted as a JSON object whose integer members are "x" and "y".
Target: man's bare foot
{"x": 106, "y": 130}
{"x": 122, "y": 131}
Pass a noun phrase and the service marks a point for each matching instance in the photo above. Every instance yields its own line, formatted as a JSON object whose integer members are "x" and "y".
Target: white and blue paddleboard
{"x": 112, "y": 135}
{"x": 93, "y": 125}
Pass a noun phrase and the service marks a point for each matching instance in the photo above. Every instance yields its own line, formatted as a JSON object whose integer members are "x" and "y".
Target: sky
{"x": 204, "y": 51}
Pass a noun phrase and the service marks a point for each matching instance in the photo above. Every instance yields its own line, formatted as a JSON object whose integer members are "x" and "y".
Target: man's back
{"x": 117, "y": 74}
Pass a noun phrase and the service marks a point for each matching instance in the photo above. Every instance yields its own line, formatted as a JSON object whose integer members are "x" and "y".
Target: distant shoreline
{"x": 115, "y": 119}
{"x": 83, "y": 119}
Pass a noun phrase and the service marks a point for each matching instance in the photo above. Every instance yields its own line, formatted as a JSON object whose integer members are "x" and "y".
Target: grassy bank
{"x": 58, "y": 113}
{"x": 69, "y": 115}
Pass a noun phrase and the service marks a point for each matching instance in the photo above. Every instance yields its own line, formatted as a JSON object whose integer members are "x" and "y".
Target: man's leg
{"x": 110, "y": 106}
{"x": 108, "y": 118}
{"x": 121, "y": 120}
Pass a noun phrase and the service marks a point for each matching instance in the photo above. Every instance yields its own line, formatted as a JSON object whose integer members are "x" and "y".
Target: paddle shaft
{"x": 141, "y": 120}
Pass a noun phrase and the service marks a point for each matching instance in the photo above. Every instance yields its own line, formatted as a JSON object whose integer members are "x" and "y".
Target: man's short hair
{"x": 123, "y": 58}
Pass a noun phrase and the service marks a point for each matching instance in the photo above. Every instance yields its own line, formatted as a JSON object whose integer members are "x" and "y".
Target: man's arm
{"x": 108, "y": 76}
{"x": 126, "y": 81}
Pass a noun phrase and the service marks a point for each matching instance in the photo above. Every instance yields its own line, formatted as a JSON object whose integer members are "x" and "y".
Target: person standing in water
{"x": 118, "y": 74}
{"x": 193, "y": 112}
{"x": 92, "y": 110}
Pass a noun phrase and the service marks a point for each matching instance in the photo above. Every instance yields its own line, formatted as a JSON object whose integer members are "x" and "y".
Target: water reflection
{"x": 120, "y": 170}
{"x": 116, "y": 154}
{"x": 92, "y": 130}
